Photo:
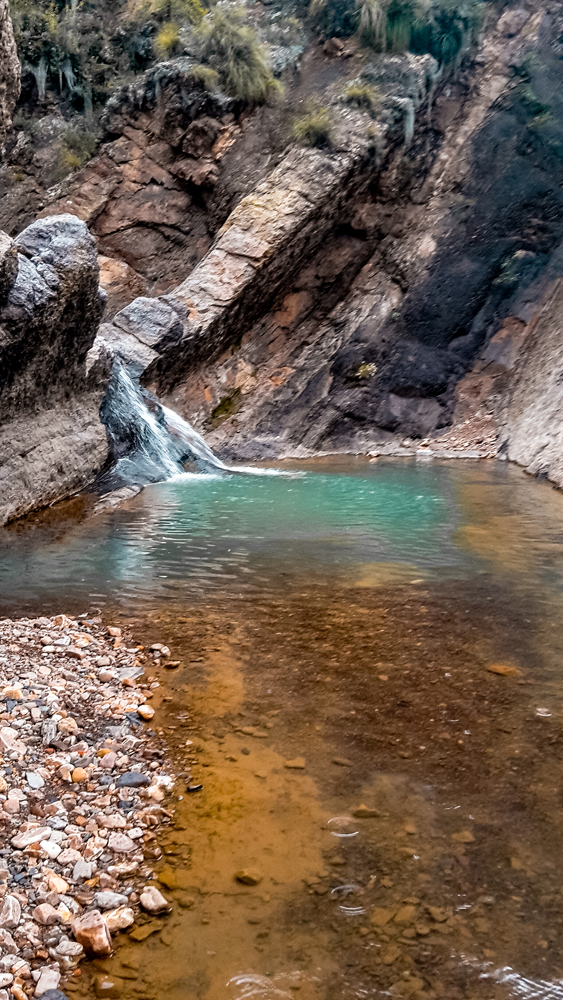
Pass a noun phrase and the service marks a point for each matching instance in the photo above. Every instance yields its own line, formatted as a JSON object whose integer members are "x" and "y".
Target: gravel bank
{"x": 82, "y": 787}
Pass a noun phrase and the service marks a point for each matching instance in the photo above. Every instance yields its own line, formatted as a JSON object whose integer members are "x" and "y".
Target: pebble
{"x": 463, "y": 837}
{"x": 90, "y": 930}
{"x": 154, "y": 902}
{"x": 46, "y": 914}
{"x": 119, "y": 919}
{"x": 364, "y": 812}
{"x": 297, "y": 764}
{"x": 34, "y": 780}
{"x": 10, "y": 914}
{"x": 121, "y": 843}
{"x": 505, "y": 670}
{"x": 73, "y": 725}
{"x": 132, "y": 779}
{"x": 248, "y": 876}
{"x": 109, "y": 900}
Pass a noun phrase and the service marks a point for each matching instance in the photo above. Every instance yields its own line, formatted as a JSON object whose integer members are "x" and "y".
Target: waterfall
{"x": 148, "y": 442}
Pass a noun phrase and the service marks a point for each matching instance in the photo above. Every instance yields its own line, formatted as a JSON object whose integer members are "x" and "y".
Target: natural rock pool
{"x": 341, "y": 618}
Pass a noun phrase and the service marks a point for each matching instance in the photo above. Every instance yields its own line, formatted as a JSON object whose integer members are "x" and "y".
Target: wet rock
{"x": 248, "y": 876}
{"x": 90, "y": 930}
{"x": 142, "y": 933}
{"x": 405, "y": 915}
{"x": 380, "y": 916}
{"x": 364, "y": 812}
{"x": 50, "y": 994}
{"x": 154, "y": 902}
{"x": 505, "y": 670}
{"x": 146, "y": 711}
{"x": 107, "y": 986}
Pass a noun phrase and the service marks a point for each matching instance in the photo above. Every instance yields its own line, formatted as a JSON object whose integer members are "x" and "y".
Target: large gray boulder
{"x": 51, "y": 383}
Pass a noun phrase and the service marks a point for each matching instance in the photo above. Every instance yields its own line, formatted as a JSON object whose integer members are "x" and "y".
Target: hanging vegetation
{"x": 231, "y": 47}
{"x": 445, "y": 28}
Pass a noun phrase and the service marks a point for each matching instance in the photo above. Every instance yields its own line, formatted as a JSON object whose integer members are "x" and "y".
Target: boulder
{"x": 51, "y": 439}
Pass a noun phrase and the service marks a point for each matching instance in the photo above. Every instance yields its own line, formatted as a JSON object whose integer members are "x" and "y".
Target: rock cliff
{"x": 357, "y": 298}
{"x": 381, "y": 294}
{"x": 9, "y": 70}
{"x": 51, "y": 382}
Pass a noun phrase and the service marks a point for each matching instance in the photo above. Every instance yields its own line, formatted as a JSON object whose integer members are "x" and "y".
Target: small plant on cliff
{"x": 209, "y": 78}
{"x": 362, "y": 95}
{"x": 314, "y": 128}
{"x": 167, "y": 42}
{"x": 231, "y": 47}
{"x": 448, "y": 28}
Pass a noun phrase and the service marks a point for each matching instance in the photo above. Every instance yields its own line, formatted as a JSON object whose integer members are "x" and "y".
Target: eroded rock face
{"x": 9, "y": 69}
{"x": 51, "y": 438}
{"x": 532, "y": 428}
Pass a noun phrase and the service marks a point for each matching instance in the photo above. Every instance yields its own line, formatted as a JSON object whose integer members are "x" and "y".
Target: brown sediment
{"x": 386, "y": 694}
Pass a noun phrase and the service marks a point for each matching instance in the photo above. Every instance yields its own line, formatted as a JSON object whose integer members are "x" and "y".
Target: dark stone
{"x": 53, "y": 995}
{"x": 132, "y": 779}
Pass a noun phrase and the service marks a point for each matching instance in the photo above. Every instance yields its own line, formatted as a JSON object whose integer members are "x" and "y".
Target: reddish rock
{"x": 91, "y": 931}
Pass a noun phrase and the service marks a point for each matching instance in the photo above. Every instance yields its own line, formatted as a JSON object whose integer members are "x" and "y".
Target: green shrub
{"x": 334, "y": 17}
{"x": 448, "y": 29}
{"x": 232, "y": 49}
{"x": 166, "y": 11}
{"x": 314, "y": 128}
{"x": 445, "y": 28}
{"x": 209, "y": 78}
{"x": 362, "y": 95}
{"x": 167, "y": 42}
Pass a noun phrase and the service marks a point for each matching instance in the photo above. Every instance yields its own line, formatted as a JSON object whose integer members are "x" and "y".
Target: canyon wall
{"x": 51, "y": 382}
{"x": 9, "y": 69}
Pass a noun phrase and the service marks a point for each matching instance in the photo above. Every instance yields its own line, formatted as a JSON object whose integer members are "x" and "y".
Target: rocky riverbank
{"x": 82, "y": 797}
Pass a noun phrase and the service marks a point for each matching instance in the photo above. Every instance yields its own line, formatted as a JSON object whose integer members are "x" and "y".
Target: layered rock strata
{"x": 51, "y": 383}
{"x": 267, "y": 238}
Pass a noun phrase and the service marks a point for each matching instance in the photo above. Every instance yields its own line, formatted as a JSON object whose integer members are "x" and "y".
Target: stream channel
{"x": 341, "y": 616}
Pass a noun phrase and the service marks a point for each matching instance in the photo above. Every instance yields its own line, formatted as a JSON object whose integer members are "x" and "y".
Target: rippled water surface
{"x": 352, "y": 521}
{"x": 341, "y": 618}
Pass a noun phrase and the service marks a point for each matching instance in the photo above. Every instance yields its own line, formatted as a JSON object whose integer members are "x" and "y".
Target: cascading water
{"x": 148, "y": 442}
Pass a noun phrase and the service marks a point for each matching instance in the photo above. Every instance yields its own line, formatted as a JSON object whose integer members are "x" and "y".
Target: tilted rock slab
{"x": 51, "y": 438}
{"x": 261, "y": 245}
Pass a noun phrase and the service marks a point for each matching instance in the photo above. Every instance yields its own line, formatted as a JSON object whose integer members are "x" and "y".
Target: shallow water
{"x": 347, "y": 616}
